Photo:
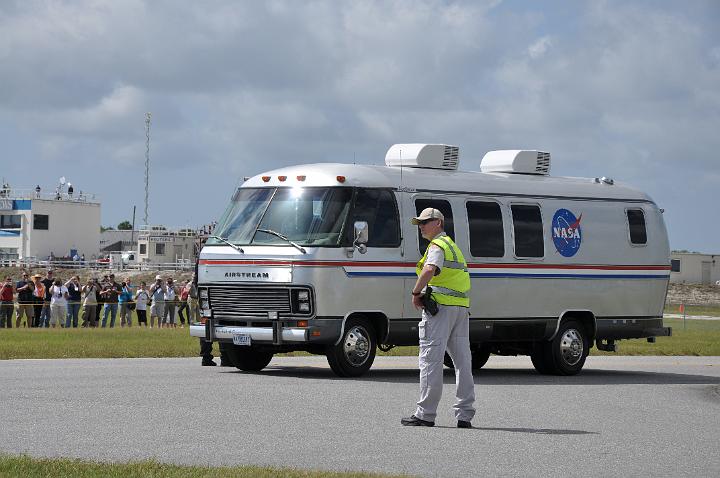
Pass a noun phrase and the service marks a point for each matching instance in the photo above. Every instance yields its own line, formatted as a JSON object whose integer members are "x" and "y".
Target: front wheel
{"x": 355, "y": 353}
{"x": 248, "y": 359}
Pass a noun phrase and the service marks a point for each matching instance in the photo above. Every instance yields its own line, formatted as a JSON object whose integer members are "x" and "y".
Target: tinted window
{"x": 636, "y": 221}
{"x": 377, "y": 207}
{"x": 486, "y": 229}
{"x": 527, "y": 226}
{"x": 443, "y": 207}
{"x": 674, "y": 265}
{"x": 41, "y": 221}
{"x": 10, "y": 221}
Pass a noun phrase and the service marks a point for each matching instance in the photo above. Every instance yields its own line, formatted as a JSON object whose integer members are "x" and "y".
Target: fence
{"x": 180, "y": 265}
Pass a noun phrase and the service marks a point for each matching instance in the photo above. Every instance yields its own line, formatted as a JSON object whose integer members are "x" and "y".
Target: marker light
{"x": 315, "y": 333}
{"x": 282, "y": 178}
{"x": 341, "y": 179}
{"x": 301, "y": 178}
{"x": 266, "y": 178}
{"x": 302, "y": 323}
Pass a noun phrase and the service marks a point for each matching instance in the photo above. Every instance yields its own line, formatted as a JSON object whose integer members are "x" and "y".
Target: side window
{"x": 378, "y": 208}
{"x": 41, "y": 222}
{"x": 528, "y": 231}
{"x": 486, "y": 229}
{"x": 442, "y": 206}
{"x": 636, "y": 222}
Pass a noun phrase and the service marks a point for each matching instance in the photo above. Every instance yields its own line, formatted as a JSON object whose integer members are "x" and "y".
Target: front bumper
{"x": 257, "y": 334}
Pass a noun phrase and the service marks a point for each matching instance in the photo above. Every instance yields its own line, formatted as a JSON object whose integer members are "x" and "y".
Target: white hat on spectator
{"x": 158, "y": 277}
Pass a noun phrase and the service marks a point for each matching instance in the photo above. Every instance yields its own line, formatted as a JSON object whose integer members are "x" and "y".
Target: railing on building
{"x": 179, "y": 265}
{"x": 26, "y": 193}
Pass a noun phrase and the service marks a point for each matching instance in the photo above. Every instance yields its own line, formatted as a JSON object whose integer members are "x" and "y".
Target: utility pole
{"x": 148, "y": 115}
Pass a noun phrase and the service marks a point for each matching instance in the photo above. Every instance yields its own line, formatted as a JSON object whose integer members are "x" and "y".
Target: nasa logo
{"x": 566, "y": 232}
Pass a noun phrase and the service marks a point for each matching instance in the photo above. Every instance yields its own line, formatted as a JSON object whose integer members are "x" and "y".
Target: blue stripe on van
{"x": 517, "y": 276}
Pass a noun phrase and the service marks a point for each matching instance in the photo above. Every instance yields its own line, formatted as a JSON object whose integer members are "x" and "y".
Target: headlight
{"x": 301, "y": 301}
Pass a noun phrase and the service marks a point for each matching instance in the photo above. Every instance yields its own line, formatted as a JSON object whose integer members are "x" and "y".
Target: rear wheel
{"x": 248, "y": 359}
{"x": 480, "y": 356}
{"x": 355, "y": 353}
{"x": 565, "y": 354}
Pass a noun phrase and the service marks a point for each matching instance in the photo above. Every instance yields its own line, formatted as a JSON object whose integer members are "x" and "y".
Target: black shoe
{"x": 414, "y": 421}
{"x": 208, "y": 363}
{"x": 464, "y": 424}
{"x": 225, "y": 364}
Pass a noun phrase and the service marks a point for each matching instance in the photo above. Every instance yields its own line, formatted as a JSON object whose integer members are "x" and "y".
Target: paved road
{"x": 623, "y": 416}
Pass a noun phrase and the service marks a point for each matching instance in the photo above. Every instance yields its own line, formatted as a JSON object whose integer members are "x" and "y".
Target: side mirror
{"x": 361, "y": 236}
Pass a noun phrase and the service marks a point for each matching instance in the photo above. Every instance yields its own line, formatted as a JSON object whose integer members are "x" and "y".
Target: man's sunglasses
{"x": 425, "y": 221}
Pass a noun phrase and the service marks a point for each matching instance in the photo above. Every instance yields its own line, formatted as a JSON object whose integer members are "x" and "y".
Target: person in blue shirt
{"x": 125, "y": 299}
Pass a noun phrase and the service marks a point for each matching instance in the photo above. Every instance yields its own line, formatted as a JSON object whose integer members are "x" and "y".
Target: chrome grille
{"x": 244, "y": 301}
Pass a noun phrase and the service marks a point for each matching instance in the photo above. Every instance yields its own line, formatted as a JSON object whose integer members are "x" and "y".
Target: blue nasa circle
{"x": 566, "y": 232}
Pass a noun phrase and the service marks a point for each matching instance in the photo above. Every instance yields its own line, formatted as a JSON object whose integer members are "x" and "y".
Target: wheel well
{"x": 377, "y": 319}
{"x": 585, "y": 317}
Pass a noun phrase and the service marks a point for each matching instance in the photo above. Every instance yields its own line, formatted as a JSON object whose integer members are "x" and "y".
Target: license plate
{"x": 241, "y": 339}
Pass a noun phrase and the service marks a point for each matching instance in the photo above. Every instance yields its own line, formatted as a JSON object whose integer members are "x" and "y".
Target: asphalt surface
{"x": 622, "y": 416}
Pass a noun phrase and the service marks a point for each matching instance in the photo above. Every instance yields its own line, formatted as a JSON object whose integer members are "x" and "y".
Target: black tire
{"x": 565, "y": 354}
{"x": 248, "y": 359}
{"x": 480, "y": 356}
{"x": 355, "y": 353}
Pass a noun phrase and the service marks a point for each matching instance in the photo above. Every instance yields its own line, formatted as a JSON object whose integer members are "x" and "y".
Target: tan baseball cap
{"x": 428, "y": 213}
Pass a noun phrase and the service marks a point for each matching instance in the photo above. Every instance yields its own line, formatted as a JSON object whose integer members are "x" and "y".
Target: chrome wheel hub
{"x": 571, "y": 347}
{"x": 356, "y": 346}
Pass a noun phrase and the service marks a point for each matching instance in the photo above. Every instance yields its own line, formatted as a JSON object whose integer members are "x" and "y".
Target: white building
{"x": 694, "y": 268}
{"x": 158, "y": 245}
{"x": 35, "y": 225}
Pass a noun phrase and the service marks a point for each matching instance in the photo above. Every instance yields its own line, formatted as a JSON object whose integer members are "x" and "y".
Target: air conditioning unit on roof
{"x": 518, "y": 161}
{"x": 434, "y": 156}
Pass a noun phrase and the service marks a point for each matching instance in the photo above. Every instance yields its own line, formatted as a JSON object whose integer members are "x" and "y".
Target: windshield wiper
{"x": 234, "y": 246}
{"x": 275, "y": 233}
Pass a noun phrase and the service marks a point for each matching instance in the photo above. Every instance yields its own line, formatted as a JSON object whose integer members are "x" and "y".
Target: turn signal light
{"x": 301, "y": 178}
{"x": 266, "y": 178}
{"x": 282, "y": 178}
{"x": 315, "y": 333}
{"x": 341, "y": 179}
{"x": 302, "y": 323}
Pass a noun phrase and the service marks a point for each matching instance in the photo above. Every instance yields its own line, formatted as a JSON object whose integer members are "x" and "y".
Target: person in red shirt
{"x": 6, "y": 303}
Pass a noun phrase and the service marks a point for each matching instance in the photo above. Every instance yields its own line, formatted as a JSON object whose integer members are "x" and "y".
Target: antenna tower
{"x": 148, "y": 115}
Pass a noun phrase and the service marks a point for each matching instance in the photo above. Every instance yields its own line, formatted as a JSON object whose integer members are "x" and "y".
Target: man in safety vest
{"x": 443, "y": 268}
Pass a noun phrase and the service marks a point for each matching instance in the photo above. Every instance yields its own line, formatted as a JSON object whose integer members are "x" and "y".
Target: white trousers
{"x": 448, "y": 330}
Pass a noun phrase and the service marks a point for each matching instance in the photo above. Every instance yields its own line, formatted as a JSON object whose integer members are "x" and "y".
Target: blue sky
{"x": 629, "y": 90}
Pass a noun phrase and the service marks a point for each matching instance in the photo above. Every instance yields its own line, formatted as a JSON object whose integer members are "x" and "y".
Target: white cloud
{"x": 610, "y": 88}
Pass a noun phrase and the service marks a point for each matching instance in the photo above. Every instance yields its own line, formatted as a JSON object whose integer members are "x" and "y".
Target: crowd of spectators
{"x": 50, "y": 301}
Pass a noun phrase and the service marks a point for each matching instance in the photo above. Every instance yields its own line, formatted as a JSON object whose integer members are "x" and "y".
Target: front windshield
{"x": 241, "y": 218}
{"x": 306, "y": 216}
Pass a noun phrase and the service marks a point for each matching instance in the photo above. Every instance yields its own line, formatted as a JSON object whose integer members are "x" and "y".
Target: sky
{"x": 624, "y": 89}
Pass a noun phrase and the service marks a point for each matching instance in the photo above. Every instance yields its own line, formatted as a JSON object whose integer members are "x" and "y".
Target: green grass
{"x": 97, "y": 343}
{"x": 709, "y": 310}
{"x": 26, "y": 467}
{"x": 692, "y": 337}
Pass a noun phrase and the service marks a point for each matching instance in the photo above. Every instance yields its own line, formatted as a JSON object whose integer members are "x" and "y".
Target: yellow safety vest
{"x": 450, "y": 287}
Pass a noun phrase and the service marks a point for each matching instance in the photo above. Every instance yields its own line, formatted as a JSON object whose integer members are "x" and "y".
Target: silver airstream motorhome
{"x": 322, "y": 258}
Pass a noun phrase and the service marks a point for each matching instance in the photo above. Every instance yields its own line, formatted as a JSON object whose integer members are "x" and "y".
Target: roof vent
{"x": 434, "y": 156}
{"x": 516, "y": 161}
